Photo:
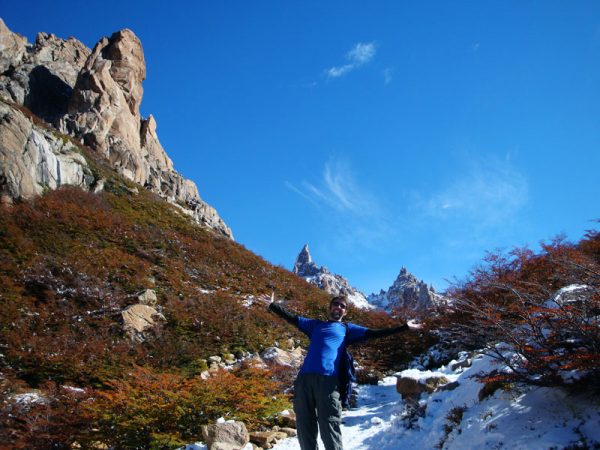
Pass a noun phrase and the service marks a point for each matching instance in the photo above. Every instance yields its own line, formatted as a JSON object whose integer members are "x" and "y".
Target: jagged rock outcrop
{"x": 33, "y": 158}
{"x": 40, "y": 76}
{"x": 407, "y": 293}
{"x": 333, "y": 284}
{"x": 95, "y": 97}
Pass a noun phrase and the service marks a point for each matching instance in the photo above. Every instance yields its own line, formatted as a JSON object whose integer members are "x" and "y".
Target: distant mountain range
{"x": 406, "y": 293}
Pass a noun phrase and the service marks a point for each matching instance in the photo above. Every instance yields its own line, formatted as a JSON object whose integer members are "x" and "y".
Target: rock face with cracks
{"x": 95, "y": 96}
{"x": 33, "y": 159}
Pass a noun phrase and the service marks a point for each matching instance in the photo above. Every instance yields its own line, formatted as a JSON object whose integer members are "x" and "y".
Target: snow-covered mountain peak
{"x": 407, "y": 293}
{"x": 332, "y": 283}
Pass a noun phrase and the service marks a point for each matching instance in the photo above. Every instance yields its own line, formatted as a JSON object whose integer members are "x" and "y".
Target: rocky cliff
{"x": 408, "y": 294}
{"x": 93, "y": 96}
{"x": 33, "y": 158}
{"x": 333, "y": 284}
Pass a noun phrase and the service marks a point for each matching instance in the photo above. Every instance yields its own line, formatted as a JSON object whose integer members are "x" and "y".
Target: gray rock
{"x": 461, "y": 364}
{"x": 286, "y": 419}
{"x": 225, "y": 436}
{"x": 281, "y": 357}
{"x": 104, "y": 112}
{"x": 148, "y": 297}
{"x": 267, "y": 439}
{"x": 411, "y": 389}
{"x": 40, "y": 76}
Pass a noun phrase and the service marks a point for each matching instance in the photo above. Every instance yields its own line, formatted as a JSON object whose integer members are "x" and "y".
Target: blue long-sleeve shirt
{"x": 327, "y": 339}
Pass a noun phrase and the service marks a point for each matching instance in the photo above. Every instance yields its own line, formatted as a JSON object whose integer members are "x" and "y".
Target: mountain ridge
{"x": 408, "y": 294}
{"x": 411, "y": 296}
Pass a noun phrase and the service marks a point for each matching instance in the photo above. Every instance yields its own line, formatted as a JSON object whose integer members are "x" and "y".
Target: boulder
{"x": 286, "y": 419}
{"x": 461, "y": 364}
{"x": 148, "y": 297}
{"x": 205, "y": 375}
{"x": 281, "y": 357}
{"x": 229, "y": 435}
{"x": 266, "y": 439}
{"x": 290, "y": 432}
{"x": 229, "y": 358}
{"x": 138, "y": 319}
{"x": 256, "y": 361}
{"x": 450, "y": 386}
{"x": 411, "y": 388}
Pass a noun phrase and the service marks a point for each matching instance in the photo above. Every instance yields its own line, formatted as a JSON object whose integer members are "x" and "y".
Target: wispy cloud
{"x": 481, "y": 207}
{"x": 487, "y": 193}
{"x": 358, "y": 56}
{"x": 351, "y": 211}
{"x": 337, "y": 189}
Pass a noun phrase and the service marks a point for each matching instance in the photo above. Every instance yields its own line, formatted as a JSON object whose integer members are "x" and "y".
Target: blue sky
{"x": 383, "y": 134}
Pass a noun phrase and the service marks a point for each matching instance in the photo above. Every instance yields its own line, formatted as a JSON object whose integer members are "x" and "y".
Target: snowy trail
{"x": 364, "y": 426}
{"x": 524, "y": 418}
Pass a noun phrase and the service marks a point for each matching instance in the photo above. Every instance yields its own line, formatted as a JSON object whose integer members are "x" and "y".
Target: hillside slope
{"x": 73, "y": 262}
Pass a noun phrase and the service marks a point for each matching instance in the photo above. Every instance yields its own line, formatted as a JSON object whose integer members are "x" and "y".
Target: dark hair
{"x": 339, "y": 298}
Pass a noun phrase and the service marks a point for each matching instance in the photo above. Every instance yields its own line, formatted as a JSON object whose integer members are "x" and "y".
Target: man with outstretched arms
{"x": 316, "y": 391}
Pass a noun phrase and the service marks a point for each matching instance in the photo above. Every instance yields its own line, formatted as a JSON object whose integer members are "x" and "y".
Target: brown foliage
{"x": 55, "y": 419}
{"x": 70, "y": 261}
{"x": 147, "y": 408}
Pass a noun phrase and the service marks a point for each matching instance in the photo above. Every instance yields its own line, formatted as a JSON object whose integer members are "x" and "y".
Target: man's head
{"x": 338, "y": 307}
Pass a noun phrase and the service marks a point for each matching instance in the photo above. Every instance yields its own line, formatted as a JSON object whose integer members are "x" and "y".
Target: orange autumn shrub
{"x": 149, "y": 409}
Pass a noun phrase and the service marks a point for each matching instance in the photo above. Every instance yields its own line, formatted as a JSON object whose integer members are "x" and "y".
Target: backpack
{"x": 346, "y": 373}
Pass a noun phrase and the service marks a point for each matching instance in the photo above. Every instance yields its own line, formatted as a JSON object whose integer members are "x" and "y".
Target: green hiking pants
{"x": 317, "y": 401}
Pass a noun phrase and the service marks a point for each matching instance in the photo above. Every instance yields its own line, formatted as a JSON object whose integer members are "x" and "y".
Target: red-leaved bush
{"x": 544, "y": 306}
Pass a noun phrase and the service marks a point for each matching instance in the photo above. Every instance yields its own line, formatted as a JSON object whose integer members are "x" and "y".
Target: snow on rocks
{"x": 29, "y": 398}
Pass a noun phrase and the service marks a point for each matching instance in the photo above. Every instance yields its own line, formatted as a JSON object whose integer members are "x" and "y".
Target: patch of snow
{"x": 73, "y": 389}
{"x": 359, "y": 300}
{"x": 557, "y": 299}
{"x": 248, "y": 301}
{"x": 201, "y": 446}
{"x": 206, "y": 291}
{"x": 28, "y": 398}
